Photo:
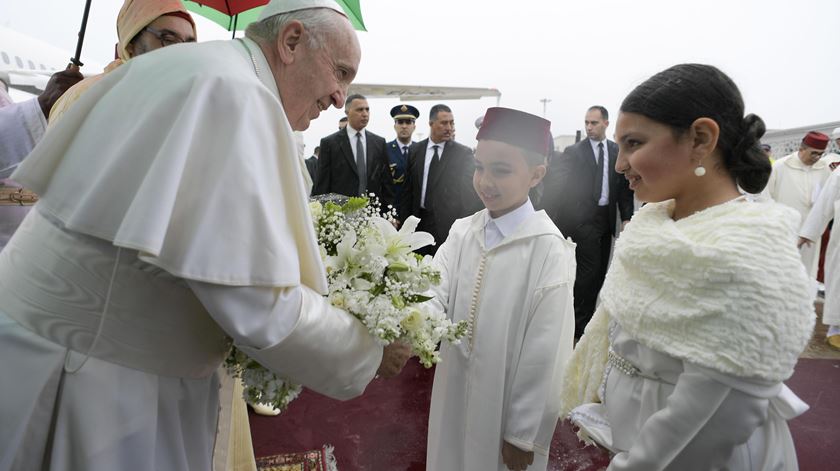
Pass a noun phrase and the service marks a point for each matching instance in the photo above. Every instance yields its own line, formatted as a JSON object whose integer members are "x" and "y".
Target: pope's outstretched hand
{"x": 394, "y": 357}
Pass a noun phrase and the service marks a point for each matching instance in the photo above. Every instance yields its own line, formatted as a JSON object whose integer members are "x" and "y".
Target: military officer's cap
{"x": 404, "y": 112}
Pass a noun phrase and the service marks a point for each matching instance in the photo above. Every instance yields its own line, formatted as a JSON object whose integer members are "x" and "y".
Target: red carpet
{"x": 385, "y": 429}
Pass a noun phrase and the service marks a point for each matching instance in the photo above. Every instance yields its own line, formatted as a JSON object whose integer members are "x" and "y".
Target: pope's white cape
{"x": 179, "y": 168}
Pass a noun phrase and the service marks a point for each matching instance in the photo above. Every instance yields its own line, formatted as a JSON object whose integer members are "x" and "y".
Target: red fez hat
{"x": 516, "y": 128}
{"x": 816, "y": 140}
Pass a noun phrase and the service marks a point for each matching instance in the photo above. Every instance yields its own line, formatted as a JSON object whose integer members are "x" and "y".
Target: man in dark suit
{"x": 353, "y": 160}
{"x": 312, "y": 163}
{"x": 404, "y": 124}
{"x": 438, "y": 187}
{"x": 584, "y": 196}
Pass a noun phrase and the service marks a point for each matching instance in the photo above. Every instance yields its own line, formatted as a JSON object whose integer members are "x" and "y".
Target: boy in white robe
{"x": 507, "y": 271}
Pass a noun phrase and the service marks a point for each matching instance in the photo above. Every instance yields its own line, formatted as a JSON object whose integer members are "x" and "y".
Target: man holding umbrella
{"x": 192, "y": 228}
{"x": 142, "y": 26}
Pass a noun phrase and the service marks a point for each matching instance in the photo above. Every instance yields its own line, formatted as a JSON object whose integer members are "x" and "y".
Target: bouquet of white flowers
{"x": 373, "y": 274}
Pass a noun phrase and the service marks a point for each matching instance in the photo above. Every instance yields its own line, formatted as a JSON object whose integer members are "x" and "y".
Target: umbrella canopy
{"x": 236, "y": 15}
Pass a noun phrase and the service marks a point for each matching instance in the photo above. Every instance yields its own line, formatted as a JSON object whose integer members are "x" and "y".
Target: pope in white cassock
{"x": 191, "y": 228}
{"x": 796, "y": 181}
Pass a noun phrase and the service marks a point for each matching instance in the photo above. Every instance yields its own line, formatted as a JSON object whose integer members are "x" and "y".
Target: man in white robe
{"x": 509, "y": 273}
{"x": 192, "y": 230}
{"x": 796, "y": 181}
{"x": 825, "y": 209}
{"x": 21, "y": 127}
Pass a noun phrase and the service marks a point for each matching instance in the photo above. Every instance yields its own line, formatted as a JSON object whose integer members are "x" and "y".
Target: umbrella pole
{"x": 75, "y": 59}
{"x": 235, "y": 19}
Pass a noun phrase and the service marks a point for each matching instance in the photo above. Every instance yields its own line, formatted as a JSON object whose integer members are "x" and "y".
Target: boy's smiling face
{"x": 503, "y": 177}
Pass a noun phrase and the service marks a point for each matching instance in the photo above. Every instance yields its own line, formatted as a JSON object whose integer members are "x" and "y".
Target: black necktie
{"x": 361, "y": 165}
{"x": 405, "y": 152}
{"x": 434, "y": 165}
{"x": 599, "y": 178}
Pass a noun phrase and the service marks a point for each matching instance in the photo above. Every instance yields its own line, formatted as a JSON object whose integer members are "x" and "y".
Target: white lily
{"x": 405, "y": 239}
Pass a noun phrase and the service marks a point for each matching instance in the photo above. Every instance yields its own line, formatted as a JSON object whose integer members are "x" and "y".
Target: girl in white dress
{"x": 706, "y": 306}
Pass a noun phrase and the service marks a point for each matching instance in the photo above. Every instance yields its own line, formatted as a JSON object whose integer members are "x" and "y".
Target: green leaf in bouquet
{"x": 354, "y": 204}
{"x": 418, "y": 298}
{"x": 397, "y": 266}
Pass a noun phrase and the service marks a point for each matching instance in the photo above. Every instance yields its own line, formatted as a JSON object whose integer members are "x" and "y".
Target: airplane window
{"x": 5, "y": 57}
{"x": 31, "y": 65}
{"x": 19, "y": 62}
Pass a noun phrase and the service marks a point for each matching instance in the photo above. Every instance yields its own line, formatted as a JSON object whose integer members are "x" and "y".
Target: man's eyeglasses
{"x": 405, "y": 121}
{"x": 167, "y": 38}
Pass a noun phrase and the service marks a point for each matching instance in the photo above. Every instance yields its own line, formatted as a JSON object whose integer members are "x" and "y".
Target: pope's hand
{"x": 394, "y": 357}
{"x": 804, "y": 241}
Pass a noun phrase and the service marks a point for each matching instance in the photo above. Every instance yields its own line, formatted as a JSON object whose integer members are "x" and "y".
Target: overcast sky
{"x": 784, "y": 55}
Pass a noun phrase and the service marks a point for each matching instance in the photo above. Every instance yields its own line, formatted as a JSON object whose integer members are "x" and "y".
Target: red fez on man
{"x": 815, "y": 140}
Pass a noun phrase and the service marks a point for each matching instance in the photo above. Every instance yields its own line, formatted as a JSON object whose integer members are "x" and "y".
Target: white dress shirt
{"x": 430, "y": 152}
{"x": 605, "y": 177}
{"x": 496, "y": 229}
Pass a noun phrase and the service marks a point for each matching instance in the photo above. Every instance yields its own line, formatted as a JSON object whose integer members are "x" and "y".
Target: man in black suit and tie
{"x": 583, "y": 195}
{"x": 353, "y": 160}
{"x": 438, "y": 186}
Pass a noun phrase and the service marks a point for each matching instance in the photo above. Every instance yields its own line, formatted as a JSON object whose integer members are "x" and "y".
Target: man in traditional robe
{"x": 191, "y": 231}
{"x": 5, "y": 99}
{"x": 21, "y": 127}
{"x": 826, "y": 208}
{"x": 796, "y": 181}
{"x": 142, "y": 26}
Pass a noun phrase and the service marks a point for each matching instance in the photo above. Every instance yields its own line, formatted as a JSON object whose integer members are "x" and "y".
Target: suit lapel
{"x": 420, "y": 164}
{"x": 588, "y": 153}
{"x": 369, "y": 152}
{"x": 344, "y": 145}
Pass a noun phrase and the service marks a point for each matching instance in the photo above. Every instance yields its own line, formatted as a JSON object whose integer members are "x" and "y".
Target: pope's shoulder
{"x": 206, "y": 61}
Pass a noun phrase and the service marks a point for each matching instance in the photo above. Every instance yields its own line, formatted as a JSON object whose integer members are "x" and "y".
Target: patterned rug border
{"x": 311, "y": 460}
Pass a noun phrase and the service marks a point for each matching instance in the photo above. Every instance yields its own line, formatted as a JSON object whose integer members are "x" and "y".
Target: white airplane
{"x": 26, "y": 64}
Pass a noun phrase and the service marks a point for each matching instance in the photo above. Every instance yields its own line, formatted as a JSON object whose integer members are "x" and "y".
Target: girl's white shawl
{"x": 723, "y": 288}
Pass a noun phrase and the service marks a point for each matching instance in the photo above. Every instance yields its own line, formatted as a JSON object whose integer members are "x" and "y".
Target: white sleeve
{"x": 445, "y": 257}
{"x": 21, "y": 127}
{"x": 296, "y": 333}
{"x": 535, "y": 390}
{"x": 822, "y": 211}
{"x": 705, "y": 418}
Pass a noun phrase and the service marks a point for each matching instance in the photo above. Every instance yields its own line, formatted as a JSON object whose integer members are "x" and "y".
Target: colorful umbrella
{"x": 236, "y": 15}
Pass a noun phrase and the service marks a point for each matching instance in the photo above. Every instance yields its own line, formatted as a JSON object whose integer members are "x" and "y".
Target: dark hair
{"x": 604, "y": 114}
{"x": 352, "y": 97}
{"x": 437, "y": 109}
{"x": 683, "y": 93}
